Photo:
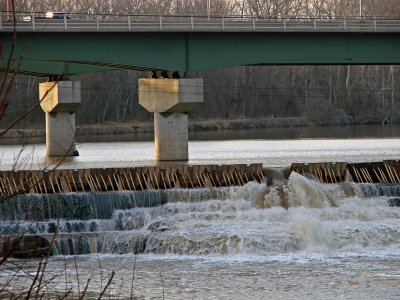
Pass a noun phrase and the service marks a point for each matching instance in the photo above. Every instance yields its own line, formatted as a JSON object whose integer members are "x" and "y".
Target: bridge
{"x": 77, "y": 43}
{"x": 70, "y": 44}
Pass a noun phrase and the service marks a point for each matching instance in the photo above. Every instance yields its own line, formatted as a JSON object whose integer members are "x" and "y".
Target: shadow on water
{"x": 288, "y": 133}
{"x": 320, "y": 132}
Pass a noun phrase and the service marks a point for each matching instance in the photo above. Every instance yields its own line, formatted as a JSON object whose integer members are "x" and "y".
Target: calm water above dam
{"x": 277, "y": 153}
{"x": 274, "y": 147}
{"x": 333, "y": 242}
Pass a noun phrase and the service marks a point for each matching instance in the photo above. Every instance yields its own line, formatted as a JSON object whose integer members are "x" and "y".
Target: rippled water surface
{"x": 303, "y": 276}
{"x": 277, "y": 153}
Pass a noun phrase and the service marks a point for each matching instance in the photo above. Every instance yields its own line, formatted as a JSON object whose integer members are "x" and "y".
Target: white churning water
{"x": 226, "y": 244}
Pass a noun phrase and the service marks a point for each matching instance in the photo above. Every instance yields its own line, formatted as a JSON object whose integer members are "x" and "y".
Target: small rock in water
{"x": 159, "y": 226}
{"x": 52, "y": 227}
{"x": 129, "y": 220}
{"x": 394, "y": 202}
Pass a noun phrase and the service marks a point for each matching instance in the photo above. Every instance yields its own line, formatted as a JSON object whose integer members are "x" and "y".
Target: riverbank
{"x": 147, "y": 127}
{"x": 194, "y": 126}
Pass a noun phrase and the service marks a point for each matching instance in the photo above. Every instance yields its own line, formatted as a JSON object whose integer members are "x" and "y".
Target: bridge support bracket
{"x": 60, "y": 100}
{"x": 171, "y": 100}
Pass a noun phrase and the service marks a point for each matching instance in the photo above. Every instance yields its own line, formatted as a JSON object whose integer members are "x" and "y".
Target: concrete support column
{"x": 171, "y": 136}
{"x": 170, "y": 100}
{"x": 60, "y": 100}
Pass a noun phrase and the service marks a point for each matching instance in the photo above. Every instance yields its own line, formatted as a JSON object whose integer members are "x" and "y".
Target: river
{"x": 334, "y": 241}
{"x": 279, "y": 147}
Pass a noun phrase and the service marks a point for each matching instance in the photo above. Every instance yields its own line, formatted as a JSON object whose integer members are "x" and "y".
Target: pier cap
{"x": 170, "y": 95}
{"x": 60, "y": 96}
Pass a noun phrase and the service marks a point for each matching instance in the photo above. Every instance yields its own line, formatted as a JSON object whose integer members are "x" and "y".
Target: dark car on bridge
{"x": 50, "y": 15}
{"x": 57, "y": 15}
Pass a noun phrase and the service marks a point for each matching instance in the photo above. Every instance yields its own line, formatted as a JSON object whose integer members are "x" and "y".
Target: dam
{"x": 184, "y": 176}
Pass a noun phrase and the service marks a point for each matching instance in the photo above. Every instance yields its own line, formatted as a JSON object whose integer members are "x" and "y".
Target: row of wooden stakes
{"x": 324, "y": 175}
{"x": 123, "y": 180}
{"x": 386, "y": 172}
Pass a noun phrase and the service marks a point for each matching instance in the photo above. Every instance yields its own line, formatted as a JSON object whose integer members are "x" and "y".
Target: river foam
{"x": 255, "y": 219}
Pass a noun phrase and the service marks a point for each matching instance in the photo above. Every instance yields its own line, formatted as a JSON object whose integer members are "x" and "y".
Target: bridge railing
{"x": 57, "y": 21}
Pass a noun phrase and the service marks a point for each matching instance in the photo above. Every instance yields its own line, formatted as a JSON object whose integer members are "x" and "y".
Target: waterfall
{"x": 253, "y": 219}
{"x": 71, "y": 206}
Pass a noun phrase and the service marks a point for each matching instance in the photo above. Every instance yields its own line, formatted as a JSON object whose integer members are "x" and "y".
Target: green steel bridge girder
{"x": 71, "y": 53}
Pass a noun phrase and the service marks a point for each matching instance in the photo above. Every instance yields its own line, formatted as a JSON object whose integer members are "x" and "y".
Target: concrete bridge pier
{"x": 170, "y": 100}
{"x": 60, "y": 100}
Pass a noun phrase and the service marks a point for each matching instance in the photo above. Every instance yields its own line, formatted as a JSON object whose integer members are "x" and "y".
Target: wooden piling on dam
{"x": 386, "y": 172}
{"x": 127, "y": 179}
{"x": 328, "y": 172}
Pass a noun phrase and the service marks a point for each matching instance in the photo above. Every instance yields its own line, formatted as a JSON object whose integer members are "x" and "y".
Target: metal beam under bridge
{"x": 71, "y": 46}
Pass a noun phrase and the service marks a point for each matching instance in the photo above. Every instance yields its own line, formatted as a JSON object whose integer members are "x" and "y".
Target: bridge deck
{"x": 72, "y": 44}
{"x": 63, "y": 22}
